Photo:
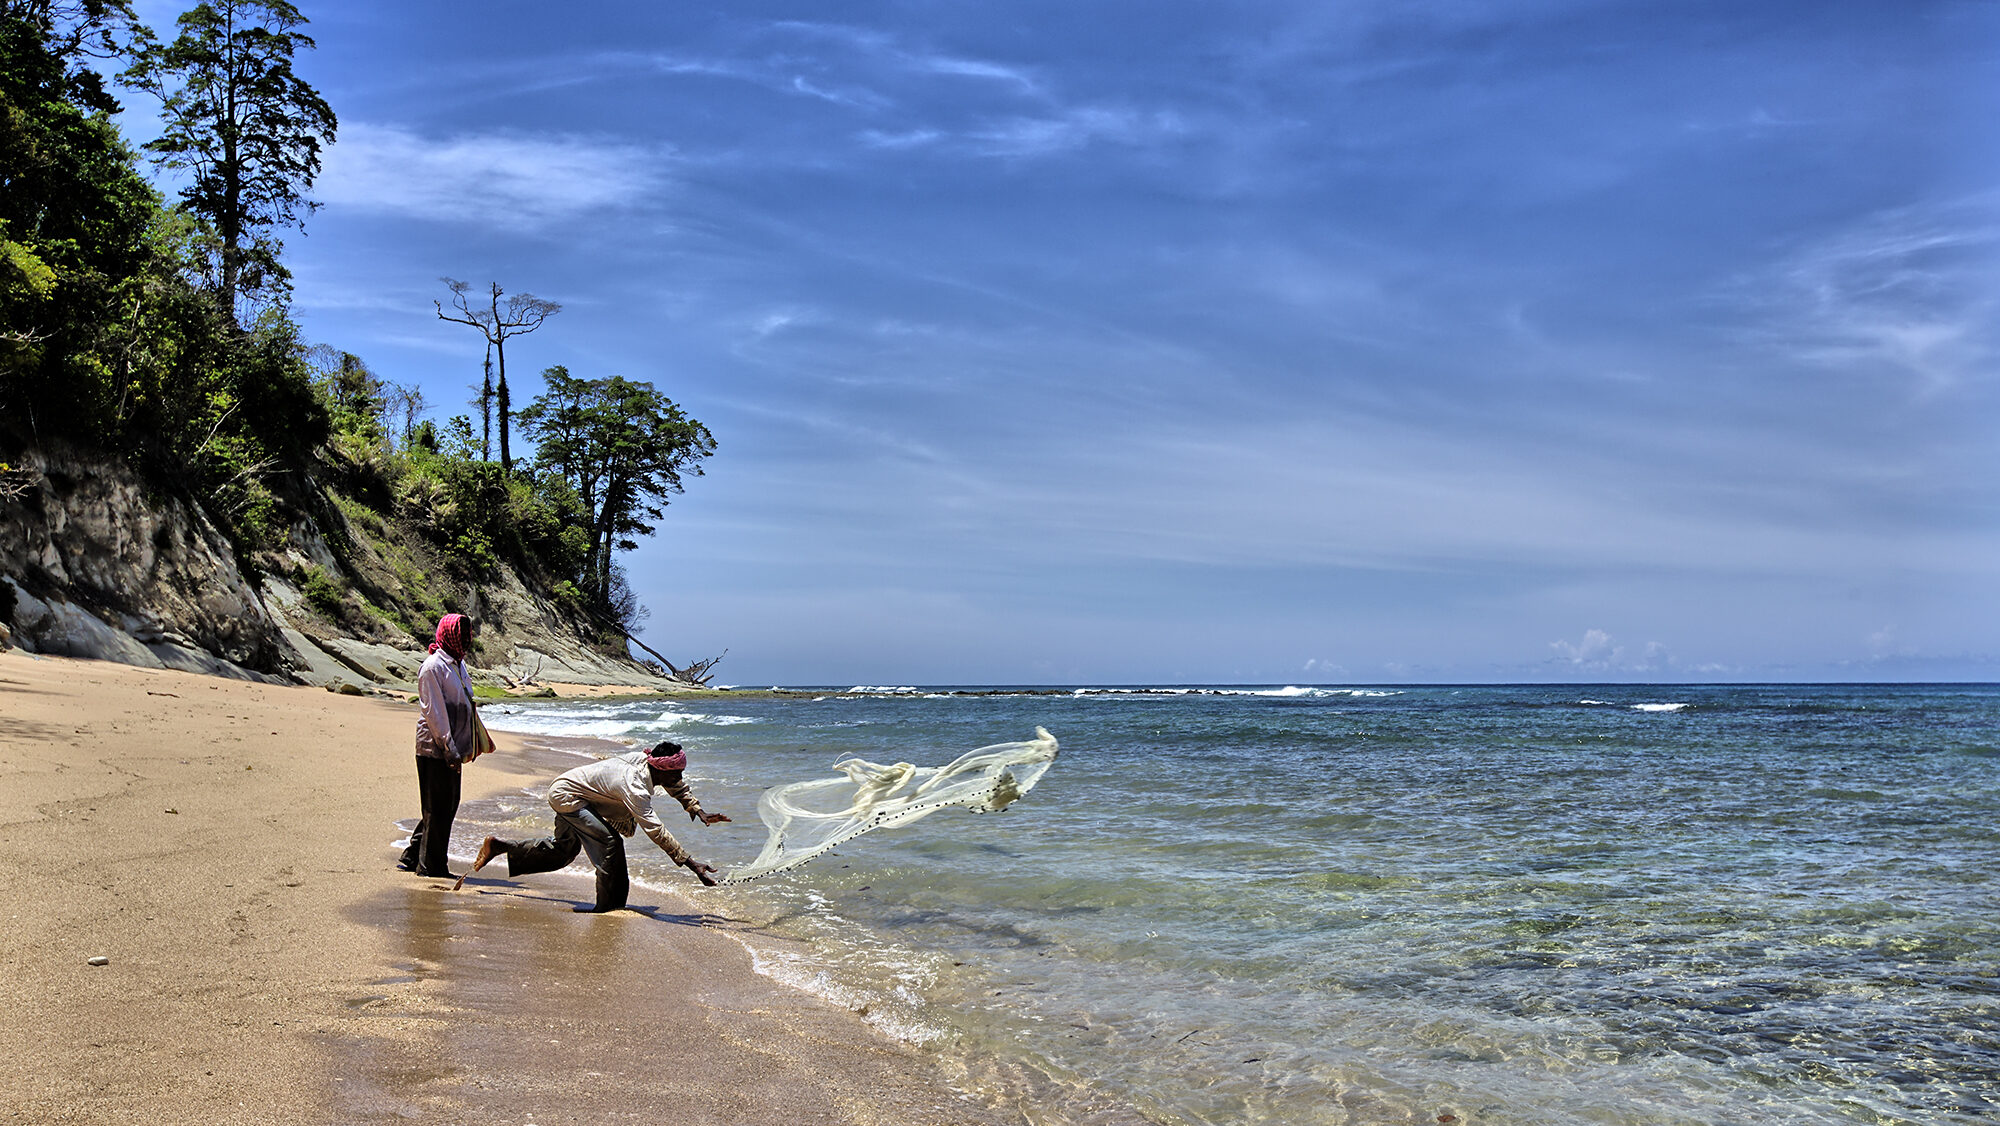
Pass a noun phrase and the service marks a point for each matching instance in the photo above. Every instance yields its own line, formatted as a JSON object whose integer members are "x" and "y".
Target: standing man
{"x": 596, "y": 805}
{"x": 447, "y": 738}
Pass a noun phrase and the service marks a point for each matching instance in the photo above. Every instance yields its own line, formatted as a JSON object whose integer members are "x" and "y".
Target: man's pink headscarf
{"x": 451, "y": 632}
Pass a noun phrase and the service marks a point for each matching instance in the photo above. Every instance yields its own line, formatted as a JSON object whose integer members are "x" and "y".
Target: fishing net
{"x": 808, "y": 819}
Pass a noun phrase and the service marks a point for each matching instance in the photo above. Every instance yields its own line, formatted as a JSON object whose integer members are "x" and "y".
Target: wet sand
{"x": 229, "y": 848}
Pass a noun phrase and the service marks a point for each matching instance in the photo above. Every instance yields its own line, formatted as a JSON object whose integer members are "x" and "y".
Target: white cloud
{"x": 1594, "y": 649}
{"x": 1597, "y": 652}
{"x": 505, "y": 180}
{"x": 1884, "y": 643}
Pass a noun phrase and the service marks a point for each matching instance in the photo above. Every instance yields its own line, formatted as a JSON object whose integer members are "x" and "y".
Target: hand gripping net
{"x": 807, "y": 819}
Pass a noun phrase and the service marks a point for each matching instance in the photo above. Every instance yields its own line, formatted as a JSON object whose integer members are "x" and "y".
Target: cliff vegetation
{"x": 185, "y": 480}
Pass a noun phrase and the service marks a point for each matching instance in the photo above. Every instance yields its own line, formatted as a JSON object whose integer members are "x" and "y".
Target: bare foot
{"x": 487, "y": 848}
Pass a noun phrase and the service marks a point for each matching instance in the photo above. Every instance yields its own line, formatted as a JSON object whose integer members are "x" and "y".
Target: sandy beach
{"x": 228, "y": 847}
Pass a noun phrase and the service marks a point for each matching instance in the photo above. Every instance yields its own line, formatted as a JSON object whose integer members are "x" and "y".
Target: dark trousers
{"x": 430, "y": 842}
{"x": 583, "y": 830}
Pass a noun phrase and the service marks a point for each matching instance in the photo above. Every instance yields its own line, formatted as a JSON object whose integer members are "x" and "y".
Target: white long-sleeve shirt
{"x": 444, "y": 709}
{"x": 620, "y": 790}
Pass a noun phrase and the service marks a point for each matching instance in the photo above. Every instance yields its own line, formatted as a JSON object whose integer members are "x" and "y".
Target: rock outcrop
{"x": 95, "y": 563}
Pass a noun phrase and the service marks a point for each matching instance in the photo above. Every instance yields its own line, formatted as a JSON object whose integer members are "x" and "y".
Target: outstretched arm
{"x": 683, "y": 794}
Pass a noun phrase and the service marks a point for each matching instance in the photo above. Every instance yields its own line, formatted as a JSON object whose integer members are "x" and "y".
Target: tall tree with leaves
{"x": 247, "y": 130}
{"x": 99, "y": 340}
{"x": 71, "y": 31}
{"x": 521, "y": 314}
{"x": 623, "y": 448}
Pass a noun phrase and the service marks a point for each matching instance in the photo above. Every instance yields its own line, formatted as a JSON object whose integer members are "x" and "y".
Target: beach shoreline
{"x": 228, "y": 847}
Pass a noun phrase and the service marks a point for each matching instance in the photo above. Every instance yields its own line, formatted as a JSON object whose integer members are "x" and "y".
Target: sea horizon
{"x": 1058, "y": 687}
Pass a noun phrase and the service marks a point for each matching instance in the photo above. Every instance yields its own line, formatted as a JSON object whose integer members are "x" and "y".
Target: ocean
{"x": 1493, "y": 904}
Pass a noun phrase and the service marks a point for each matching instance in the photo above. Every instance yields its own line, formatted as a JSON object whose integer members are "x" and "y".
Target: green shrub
{"x": 324, "y": 593}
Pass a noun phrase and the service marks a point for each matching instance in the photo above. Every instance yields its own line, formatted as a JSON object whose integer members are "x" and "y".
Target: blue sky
{"x": 1221, "y": 342}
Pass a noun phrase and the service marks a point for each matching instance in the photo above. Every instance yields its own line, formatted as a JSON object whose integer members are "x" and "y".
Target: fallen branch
{"x": 15, "y": 483}
{"x": 696, "y": 674}
{"x": 528, "y": 678}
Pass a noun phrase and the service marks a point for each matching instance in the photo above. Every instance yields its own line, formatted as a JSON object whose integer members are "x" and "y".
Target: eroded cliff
{"x": 97, "y": 562}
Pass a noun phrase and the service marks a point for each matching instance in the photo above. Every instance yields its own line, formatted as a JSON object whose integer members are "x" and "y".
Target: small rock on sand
{"x": 100, "y": 960}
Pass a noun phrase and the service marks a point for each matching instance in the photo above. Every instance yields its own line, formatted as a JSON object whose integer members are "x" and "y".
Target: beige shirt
{"x": 620, "y": 790}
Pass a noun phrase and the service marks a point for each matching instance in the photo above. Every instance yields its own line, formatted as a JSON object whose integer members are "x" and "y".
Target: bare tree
{"x": 406, "y": 403}
{"x": 520, "y": 314}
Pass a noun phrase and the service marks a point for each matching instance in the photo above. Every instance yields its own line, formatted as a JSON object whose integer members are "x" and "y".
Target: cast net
{"x": 808, "y": 819}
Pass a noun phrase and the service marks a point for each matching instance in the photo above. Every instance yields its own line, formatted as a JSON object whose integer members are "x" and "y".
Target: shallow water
{"x": 1501, "y": 904}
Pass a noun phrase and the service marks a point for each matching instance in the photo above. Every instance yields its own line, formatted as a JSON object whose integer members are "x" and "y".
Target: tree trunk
{"x": 232, "y": 192}
{"x": 486, "y": 411}
{"x": 498, "y": 338}
{"x": 506, "y": 456}
{"x": 602, "y": 564}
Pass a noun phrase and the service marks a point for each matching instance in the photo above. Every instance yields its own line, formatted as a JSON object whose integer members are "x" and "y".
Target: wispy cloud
{"x": 1911, "y": 292}
{"x": 1030, "y": 136}
{"x": 780, "y": 320}
{"x": 1073, "y": 130}
{"x": 976, "y": 68}
{"x": 887, "y": 49}
{"x": 909, "y": 98}
{"x": 905, "y": 139}
{"x": 518, "y": 181}
{"x": 1757, "y": 122}
{"x": 860, "y": 60}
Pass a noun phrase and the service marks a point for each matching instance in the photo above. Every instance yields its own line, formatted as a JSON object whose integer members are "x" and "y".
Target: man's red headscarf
{"x": 451, "y": 633}
{"x": 667, "y": 756}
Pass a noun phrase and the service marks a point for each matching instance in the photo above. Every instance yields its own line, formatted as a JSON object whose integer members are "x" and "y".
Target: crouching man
{"x": 598, "y": 804}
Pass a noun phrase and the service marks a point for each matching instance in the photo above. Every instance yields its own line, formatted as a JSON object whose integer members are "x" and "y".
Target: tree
{"x": 622, "y": 447}
{"x": 406, "y": 402}
{"x": 522, "y": 314}
{"x": 360, "y": 397}
{"x": 102, "y": 340}
{"x": 75, "y": 217}
{"x": 245, "y": 127}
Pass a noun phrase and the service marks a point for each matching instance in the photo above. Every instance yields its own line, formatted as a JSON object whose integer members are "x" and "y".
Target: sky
{"x": 1207, "y": 342}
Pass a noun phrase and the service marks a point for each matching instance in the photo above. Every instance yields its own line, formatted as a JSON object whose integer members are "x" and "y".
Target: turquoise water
{"x": 1539, "y": 904}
